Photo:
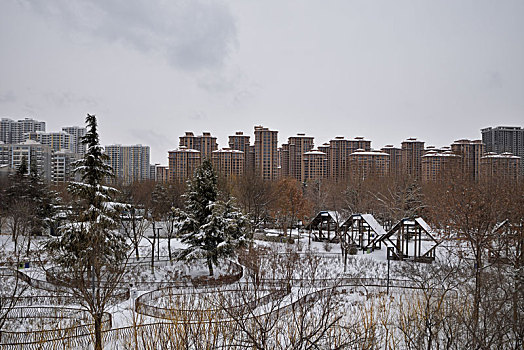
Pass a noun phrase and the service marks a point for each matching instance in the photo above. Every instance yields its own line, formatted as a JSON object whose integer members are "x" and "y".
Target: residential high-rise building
{"x": 228, "y": 162}
{"x": 240, "y": 142}
{"x": 395, "y": 159}
{"x": 471, "y": 153}
{"x": 182, "y": 163}
{"x": 363, "y": 164}
{"x": 56, "y": 140}
{"x": 266, "y": 157}
{"x": 77, "y": 133}
{"x": 204, "y": 143}
{"x": 503, "y": 166}
{"x": 292, "y": 156}
{"x": 438, "y": 165}
{"x": 33, "y": 152}
{"x": 359, "y": 143}
{"x": 314, "y": 165}
{"x": 325, "y": 148}
{"x": 412, "y": 152}
{"x": 338, "y": 156}
{"x": 13, "y": 131}
{"x": 160, "y": 173}
{"x": 62, "y": 166}
{"x": 130, "y": 163}
{"x": 505, "y": 139}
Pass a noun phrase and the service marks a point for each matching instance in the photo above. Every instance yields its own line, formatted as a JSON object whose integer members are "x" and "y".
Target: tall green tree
{"x": 90, "y": 251}
{"x": 211, "y": 228}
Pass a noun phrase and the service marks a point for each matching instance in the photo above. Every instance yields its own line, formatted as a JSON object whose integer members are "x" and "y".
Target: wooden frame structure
{"x": 410, "y": 239}
{"x": 325, "y": 222}
{"x": 362, "y": 231}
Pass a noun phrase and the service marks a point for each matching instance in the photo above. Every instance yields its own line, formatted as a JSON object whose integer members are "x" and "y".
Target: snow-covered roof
{"x": 315, "y": 151}
{"x": 505, "y": 155}
{"x": 185, "y": 149}
{"x": 435, "y": 153}
{"x": 412, "y": 139}
{"x": 227, "y": 150}
{"x": 369, "y": 153}
{"x": 375, "y": 226}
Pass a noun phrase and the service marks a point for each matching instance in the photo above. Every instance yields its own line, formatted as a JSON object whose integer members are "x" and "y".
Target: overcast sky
{"x": 151, "y": 70}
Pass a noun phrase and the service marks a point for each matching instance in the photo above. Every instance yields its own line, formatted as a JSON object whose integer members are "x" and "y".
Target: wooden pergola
{"x": 410, "y": 239}
{"x": 324, "y": 224}
{"x": 362, "y": 230}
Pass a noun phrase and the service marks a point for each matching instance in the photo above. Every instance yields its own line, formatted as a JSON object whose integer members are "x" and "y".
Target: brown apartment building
{"x": 266, "y": 157}
{"x": 503, "y": 166}
{"x": 412, "y": 152}
{"x": 363, "y": 164}
{"x": 228, "y": 162}
{"x": 182, "y": 163}
{"x": 471, "y": 153}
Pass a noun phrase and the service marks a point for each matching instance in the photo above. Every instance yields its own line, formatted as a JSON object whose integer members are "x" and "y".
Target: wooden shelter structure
{"x": 362, "y": 231}
{"x": 325, "y": 226}
{"x": 410, "y": 239}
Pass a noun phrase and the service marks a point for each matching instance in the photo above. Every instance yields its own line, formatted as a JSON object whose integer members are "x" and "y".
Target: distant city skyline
{"x": 223, "y": 143}
{"x": 385, "y": 70}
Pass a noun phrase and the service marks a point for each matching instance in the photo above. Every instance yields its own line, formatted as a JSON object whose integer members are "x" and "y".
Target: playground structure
{"x": 408, "y": 239}
{"x": 325, "y": 222}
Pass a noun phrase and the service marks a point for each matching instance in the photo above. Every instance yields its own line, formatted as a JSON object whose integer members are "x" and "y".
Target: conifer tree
{"x": 211, "y": 228}
{"x": 90, "y": 251}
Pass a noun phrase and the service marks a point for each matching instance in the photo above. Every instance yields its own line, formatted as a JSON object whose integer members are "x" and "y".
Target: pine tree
{"x": 211, "y": 228}
{"x": 90, "y": 251}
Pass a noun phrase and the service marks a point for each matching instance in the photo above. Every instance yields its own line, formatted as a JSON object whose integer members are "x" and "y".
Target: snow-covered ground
{"x": 319, "y": 264}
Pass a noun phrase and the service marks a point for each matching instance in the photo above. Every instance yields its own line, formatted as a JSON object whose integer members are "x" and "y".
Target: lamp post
{"x": 389, "y": 259}
{"x": 158, "y": 244}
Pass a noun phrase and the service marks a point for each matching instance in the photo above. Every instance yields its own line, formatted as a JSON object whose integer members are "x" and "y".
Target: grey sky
{"x": 151, "y": 70}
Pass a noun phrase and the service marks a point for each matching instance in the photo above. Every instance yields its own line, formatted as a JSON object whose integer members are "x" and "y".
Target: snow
{"x": 375, "y": 226}
{"x": 424, "y": 225}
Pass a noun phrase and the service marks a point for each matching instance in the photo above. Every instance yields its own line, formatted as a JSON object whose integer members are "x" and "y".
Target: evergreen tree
{"x": 90, "y": 251}
{"x": 211, "y": 228}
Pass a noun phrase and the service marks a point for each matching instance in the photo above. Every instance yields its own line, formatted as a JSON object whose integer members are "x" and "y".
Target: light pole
{"x": 389, "y": 259}
{"x": 158, "y": 244}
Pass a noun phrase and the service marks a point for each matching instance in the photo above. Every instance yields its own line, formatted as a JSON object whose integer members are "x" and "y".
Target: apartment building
{"x": 363, "y": 164}
{"x": 438, "y": 165}
{"x": 240, "y": 142}
{"x": 62, "y": 166}
{"x": 291, "y": 158}
{"x": 314, "y": 165}
{"x": 505, "y": 139}
{"x": 395, "y": 159}
{"x": 56, "y": 140}
{"x": 412, "y": 152}
{"x": 12, "y": 131}
{"x": 129, "y": 163}
{"x": 205, "y": 143}
{"x": 78, "y": 133}
{"x": 470, "y": 152}
{"x": 503, "y": 166}
{"x": 228, "y": 162}
{"x": 182, "y": 163}
{"x": 266, "y": 157}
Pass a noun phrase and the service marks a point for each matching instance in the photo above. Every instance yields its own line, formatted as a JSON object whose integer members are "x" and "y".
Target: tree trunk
{"x": 210, "y": 266}
{"x": 135, "y": 236}
{"x": 28, "y": 243}
{"x": 98, "y": 331}
{"x": 169, "y": 244}
{"x": 476, "y": 299}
